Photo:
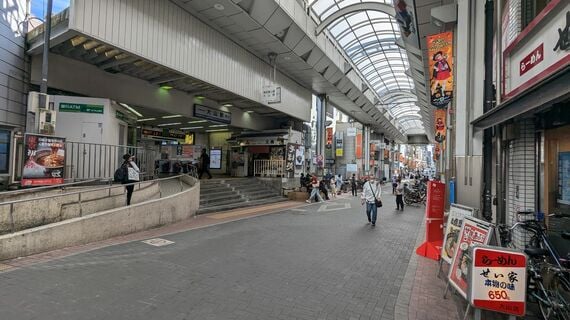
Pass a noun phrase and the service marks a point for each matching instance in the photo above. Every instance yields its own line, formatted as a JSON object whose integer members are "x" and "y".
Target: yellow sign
{"x": 189, "y": 139}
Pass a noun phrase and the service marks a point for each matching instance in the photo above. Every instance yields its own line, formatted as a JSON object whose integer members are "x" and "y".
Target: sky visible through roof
{"x": 39, "y": 7}
{"x": 369, "y": 40}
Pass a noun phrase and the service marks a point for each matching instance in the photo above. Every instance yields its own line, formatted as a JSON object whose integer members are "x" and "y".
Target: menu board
{"x": 564, "y": 178}
{"x": 44, "y": 160}
{"x": 454, "y": 223}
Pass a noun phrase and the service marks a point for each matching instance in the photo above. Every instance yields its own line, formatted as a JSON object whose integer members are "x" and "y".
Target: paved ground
{"x": 318, "y": 261}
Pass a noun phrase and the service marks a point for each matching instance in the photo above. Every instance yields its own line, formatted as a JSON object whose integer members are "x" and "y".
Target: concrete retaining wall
{"x": 40, "y": 212}
{"x": 103, "y": 225}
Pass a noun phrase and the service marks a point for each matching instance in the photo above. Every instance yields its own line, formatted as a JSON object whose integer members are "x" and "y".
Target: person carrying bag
{"x": 371, "y": 193}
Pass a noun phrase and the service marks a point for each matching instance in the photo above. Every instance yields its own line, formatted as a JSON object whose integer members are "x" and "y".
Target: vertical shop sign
{"x": 406, "y": 20}
{"x": 437, "y": 152}
{"x": 473, "y": 232}
{"x": 563, "y": 178}
{"x": 440, "y": 54}
{"x": 359, "y": 146}
{"x": 457, "y": 214}
{"x": 44, "y": 160}
{"x": 498, "y": 280}
{"x": 440, "y": 121}
{"x": 329, "y": 137}
{"x": 339, "y": 146}
{"x": 290, "y": 157}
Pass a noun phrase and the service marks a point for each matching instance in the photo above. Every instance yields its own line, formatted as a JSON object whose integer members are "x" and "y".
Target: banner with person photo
{"x": 440, "y": 55}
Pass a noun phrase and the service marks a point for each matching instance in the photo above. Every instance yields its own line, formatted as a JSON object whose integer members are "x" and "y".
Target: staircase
{"x": 231, "y": 193}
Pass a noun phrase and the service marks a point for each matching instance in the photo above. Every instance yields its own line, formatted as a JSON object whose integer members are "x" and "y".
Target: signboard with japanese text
{"x": 339, "y": 146}
{"x": 81, "y": 107}
{"x": 351, "y": 132}
{"x": 539, "y": 51}
{"x": 290, "y": 158}
{"x": 440, "y": 54}
{"x": 329, "y": 138}
{"x": 440, "y": 121}
{"x": 473, "y": 232}
{"x": 451, "y": 236}
{"x": 498, "y": 280}
{"x": 44, "y": 160}
{"x": 208, "y": 113}
{"x": 271, "y": 94}
{"x": 215, "y": 158}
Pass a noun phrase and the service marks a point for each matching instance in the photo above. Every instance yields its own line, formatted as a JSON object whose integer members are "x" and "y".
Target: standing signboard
{"x": 498, "y": 280}
{"x": 45, "y": 160}
{"x": 451, "y": 236}
{"x": 474, "y": 232}
{"x": 435, "y": 203}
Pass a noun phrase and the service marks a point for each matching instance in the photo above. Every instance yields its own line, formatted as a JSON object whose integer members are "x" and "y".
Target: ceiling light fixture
{"x": 228, "y": 105}
{"x": 218, "y": 125}
{"x": 216, "y": 130}
{"x": 191, "y": 128}
{"x": 219, "y": 6}
{"x": 131, "y": 109}
{"x": 147, "y": 119}
{"x": 168, "y": 124}
{"x": 171, "y": 116}
{"x": 249, "y": 111}
{"x": 166, "y": 87}
{"x": 197, "y": 121}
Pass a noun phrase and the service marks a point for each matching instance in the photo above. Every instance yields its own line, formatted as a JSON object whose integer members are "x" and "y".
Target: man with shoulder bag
{"x": 371, "y": 193}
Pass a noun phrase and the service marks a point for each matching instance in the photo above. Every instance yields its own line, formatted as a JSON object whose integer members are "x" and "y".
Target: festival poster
{"x": 440, "y": 54}
{"x": 473, "y": 232}
{"x": 440, "y": 121}
{"x": 44, "y": 160}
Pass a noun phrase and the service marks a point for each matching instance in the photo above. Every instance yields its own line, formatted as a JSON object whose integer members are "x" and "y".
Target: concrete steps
{"x": 231, "y": 193}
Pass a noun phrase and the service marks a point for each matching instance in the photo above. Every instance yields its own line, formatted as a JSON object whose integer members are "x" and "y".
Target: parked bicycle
{"x": 415, "y": 194}
{"x": 548, "y": 282}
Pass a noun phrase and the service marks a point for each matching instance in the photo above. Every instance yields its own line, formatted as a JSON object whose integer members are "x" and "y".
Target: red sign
{"x": 329, "y": 137}
{"x": 474, "y": 232}
{"x": 359, "y": 146}
{"x": 498, "y": 280}
{"x": 44, "y": 160}
{"x": 532, "y": 59}
{"x": 431, "y": 248}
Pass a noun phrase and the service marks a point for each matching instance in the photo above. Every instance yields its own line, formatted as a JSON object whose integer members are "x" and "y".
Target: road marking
{"x": 158, "y": 242}
{"x": 299, "y": 210}
{"x": 334, "y": 207}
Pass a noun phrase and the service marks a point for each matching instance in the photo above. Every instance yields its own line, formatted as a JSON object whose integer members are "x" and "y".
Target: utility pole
{"x": 45, "y": 58}
{"x": 488, "y": 105}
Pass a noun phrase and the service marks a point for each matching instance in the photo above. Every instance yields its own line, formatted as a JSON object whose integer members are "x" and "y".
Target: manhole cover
{"x": 157, "y": 242}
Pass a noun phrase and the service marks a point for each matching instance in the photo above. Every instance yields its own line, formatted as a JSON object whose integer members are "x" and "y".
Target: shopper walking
{"x": 394, "y": 184}
{"x": 339, "y": 184}
{"x": 132, "y": 174}
{"x": 371, "y": 193}
{"x": 400, "y": 195}
{"x": 315, "y": 192}
{"x": 333, "y": 186}
{"x": 323, "y": 188}
{"x": 205, "y": 164}
{"x": 353, "y": 184}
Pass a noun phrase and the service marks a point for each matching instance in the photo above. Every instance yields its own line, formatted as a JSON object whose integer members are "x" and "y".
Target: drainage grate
{"x": 158, "y": 242}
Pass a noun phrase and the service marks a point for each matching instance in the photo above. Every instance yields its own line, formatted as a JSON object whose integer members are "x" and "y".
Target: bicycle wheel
{"x": 554, "y": 305}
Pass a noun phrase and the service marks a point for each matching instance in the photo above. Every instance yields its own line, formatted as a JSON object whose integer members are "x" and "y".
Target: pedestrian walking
{"x": 323, "y": 188}
{"x": 205, "y": 164}
{"x": 315, "y": 192}
{"x": 132, "y": 174}
{"x": 333, "y": 186}
{"x": 339, "y": 184}
{"x": 371, "y": 193}
{"x": 394, "y": 184}
{"x": 400, "y": 195}
{"x": 353, "y": 184}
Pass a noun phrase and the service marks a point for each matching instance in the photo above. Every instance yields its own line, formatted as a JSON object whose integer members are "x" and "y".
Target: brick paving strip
{"x": 199, "y": 221}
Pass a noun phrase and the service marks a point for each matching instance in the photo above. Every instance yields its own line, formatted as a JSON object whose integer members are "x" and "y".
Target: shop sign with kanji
{"x": 498, "y": 280}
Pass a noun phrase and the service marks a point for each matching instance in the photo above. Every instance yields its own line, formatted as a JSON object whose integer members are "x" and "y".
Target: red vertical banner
{"x": 440, "y": 125}
{"x": 440, "y": 55}
{"x": 435, "y": 203}
{"x": 329, "y": 136}
{"x": 359, "y": 146}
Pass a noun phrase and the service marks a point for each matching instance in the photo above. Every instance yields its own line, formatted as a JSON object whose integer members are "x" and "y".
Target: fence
{"x": 269, "y": 168}
{"x": 84, "y": 161}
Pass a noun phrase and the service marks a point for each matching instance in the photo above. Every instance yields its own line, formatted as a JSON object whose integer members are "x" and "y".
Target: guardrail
{"x": 167, "y": 186}
{"x": 269, "y": 168}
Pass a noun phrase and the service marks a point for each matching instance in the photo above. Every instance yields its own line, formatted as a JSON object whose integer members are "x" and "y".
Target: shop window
{"x": 4, "y": 151}
{"x": 530, "y": 9}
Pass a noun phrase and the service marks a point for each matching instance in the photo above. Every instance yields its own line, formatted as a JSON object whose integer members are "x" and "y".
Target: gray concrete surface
{"x": 318, "y": 262}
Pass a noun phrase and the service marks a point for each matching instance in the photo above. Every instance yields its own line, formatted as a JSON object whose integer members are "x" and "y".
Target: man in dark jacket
{"x": 205, "y": 164}
{"x": 353, "y": 184}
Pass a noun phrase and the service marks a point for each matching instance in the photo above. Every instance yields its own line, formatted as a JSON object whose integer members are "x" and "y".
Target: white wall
{"x": 12, "y": 65}
{"x": 163, "y": 33}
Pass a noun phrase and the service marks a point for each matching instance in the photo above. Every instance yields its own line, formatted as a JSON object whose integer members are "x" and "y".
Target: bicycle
{"x": 548, "y": 275}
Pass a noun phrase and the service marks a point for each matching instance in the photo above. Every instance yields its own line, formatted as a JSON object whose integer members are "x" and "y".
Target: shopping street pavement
{"x": 283, "y": 261}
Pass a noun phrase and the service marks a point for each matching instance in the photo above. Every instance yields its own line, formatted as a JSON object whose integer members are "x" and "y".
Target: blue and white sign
{"x": 208, "y": 113}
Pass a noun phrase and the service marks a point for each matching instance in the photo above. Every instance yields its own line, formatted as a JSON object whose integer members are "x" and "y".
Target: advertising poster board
{"x": 44, "y": 160}
{"x": 300, "y": 156}
{"x": 498, "y": 280}
{"x": 474, "y": 232}
{"x": 451, "y": 236}
{"x": 351, "y": 167}
{"x": 440, "y": 55}
{"x": 215, "y": 158}
{"x": 339, "y": 146}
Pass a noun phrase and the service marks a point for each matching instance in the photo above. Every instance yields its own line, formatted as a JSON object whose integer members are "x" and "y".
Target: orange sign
{"x": 440, "y": 121}
{"x": 359, "y": 146}
{"x": 440, "y": 54}
{"x": 329, "y": 136}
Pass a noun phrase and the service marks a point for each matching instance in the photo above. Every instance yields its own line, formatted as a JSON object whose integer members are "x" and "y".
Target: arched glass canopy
{"x": 368, "y": 37}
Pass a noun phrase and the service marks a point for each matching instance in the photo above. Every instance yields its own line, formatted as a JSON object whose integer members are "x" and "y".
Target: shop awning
{"x": 552, "y": 90}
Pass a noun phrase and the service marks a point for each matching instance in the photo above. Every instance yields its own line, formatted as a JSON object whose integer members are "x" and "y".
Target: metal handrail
{"x": 63, "y": 185}
{"x": 86, "y": 191}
